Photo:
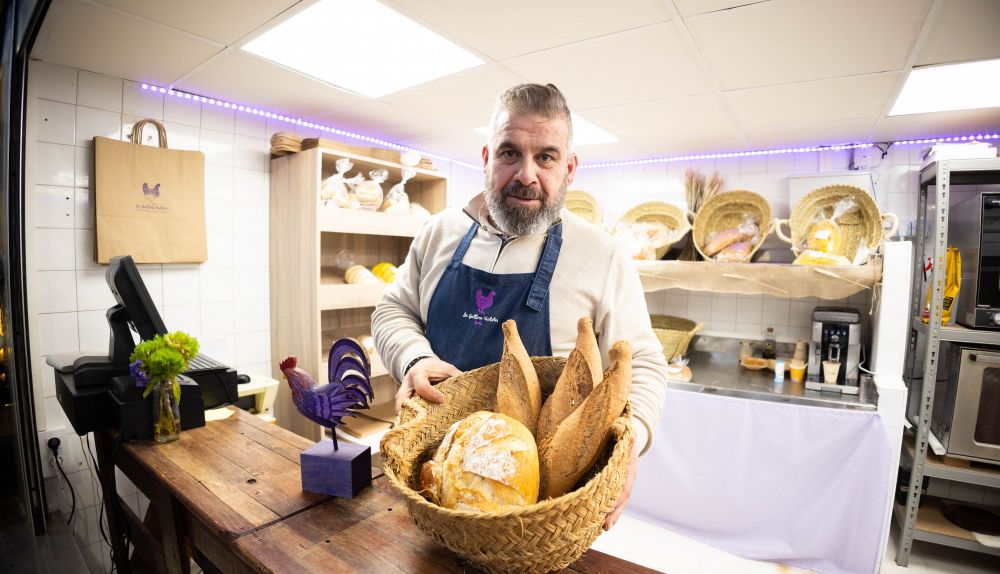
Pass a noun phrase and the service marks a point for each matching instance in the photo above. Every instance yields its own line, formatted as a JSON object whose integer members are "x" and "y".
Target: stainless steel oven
{"x": 966, "y": 414}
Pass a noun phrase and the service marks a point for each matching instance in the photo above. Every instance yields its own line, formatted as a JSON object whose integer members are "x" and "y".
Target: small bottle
{"x": 769, "y": 344}
{"x": 779, "y": 371}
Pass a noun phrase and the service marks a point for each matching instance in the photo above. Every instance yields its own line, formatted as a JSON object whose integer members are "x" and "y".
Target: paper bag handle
{"x": 137, "y": 132}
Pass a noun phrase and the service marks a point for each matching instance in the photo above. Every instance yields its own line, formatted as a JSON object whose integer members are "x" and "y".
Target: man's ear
{"x": 486, "y": 155}
{"x": 571, "y": 168}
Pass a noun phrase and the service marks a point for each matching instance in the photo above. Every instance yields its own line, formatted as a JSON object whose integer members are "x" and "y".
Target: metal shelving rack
{"x": 942, "y": 175}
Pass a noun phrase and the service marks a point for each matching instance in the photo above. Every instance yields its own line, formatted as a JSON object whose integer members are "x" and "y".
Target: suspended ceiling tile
{"x": 695, "y": 7}
{"x": 676, "y": 144}
{"x": 99, "y": 39}
{"x": 222, "y": 21}
{"x": 518, "y": 27}
{"x": 240, "y": 77}
{"x": 466, "y": 98}
{"x": 650, "y": 63}
{"x": 844, "y": 131}
{"x": 963, "y": 30}
{"x": 817, "y": 101}
{"x": 944, "y": 124}
{"x": 463, "y": 145}
{"x": 676, "y": 116}
{"x": 382, "y": 120}
{"x": 784, "y": 41}
{"x": 613, "y": 151}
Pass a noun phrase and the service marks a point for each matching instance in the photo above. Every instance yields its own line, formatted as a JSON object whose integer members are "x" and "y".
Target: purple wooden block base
{"x": 344, "y": 472}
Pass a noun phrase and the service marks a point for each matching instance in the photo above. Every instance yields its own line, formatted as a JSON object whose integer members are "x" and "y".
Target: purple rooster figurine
{"x": 349, "y": 386}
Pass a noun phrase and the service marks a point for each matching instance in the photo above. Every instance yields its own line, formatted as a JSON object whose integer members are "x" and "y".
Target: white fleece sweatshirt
{"x": 593, "y": 278}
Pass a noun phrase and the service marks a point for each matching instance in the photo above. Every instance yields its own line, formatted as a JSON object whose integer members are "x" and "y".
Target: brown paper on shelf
{"x": 362, "y": 426}
{"x": 788, "y": 280}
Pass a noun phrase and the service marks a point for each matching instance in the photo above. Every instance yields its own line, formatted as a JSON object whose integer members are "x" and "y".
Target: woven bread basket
{"x": 669, "y": 215}
{"x": 584, "y": 205}
{"x": 541, "y": 537}
{"x": 865, "y": 223}
{"x": 674, "y": 333}
{"x": 726, "y": 211}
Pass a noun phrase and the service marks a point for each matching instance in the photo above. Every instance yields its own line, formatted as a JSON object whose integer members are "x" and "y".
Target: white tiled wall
{"x": 747, "y": 316}
{"x": 224, "y": 301}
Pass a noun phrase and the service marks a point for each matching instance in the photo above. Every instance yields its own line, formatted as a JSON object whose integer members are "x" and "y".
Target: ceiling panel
{"x": 386, "y": 121}
{"x": 504, "y": 30}
{"x": 677, "y": 144}
{"x": 784, "y": 41}
{"x": 845, "y": 131}
{"x": 127, "y": 48}
{"x": 819, "y": 101}
{"x": 944, "y": 124}
{"x": 694, "y": 7}
{"x": 613, "y": 151}
{"x": 690, "y": 115}
{"x": 465, "y": 98}
{"x": 463, "y": 145}
{"x": 222, "y": 21}
{"x": 246, "y": 79}
{"x": 963, "y": 30}
{"x": 650, "y": 63}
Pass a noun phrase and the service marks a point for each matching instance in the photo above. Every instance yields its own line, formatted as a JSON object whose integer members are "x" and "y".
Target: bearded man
{"x": 513, "y": 253}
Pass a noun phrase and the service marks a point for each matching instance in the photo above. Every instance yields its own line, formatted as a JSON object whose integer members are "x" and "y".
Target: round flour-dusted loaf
{"x": 486, "y": 462}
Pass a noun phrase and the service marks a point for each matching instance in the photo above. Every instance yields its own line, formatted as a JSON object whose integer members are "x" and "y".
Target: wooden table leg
{"x": 109, "y": 489}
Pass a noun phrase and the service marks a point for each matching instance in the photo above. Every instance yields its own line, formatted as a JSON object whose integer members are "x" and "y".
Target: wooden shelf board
{"x": 363, "y": 222}
{"x": 344, "y": 296}
{"x": 362, "y": 163}
{"x": 934, "y": 466}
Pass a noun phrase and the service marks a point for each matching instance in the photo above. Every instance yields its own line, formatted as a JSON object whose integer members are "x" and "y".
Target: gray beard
{"x": 519, "y": 220}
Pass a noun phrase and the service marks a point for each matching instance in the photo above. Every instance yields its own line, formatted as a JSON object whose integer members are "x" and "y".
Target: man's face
{"x": 528, "y": 167}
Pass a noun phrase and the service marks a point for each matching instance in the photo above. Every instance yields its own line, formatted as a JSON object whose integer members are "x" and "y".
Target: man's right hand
{"x": 419, "y": 378}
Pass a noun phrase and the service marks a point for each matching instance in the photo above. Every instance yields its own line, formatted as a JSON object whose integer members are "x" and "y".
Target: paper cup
{"x": 797, "y": 371}
{"x": 830, "y": 371}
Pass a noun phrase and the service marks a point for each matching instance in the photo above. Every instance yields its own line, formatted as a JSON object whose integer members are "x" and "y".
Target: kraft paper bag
{"x": 150, "y": 201}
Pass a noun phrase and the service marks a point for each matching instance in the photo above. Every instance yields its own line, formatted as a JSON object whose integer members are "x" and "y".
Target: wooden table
{"x": 229, "y": 494}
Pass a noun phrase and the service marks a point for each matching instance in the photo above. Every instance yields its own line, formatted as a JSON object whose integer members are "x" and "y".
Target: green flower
{"x": 164, "y": 357}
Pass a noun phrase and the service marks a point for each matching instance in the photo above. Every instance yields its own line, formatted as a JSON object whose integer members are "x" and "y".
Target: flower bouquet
{"x": 156, "y": 364}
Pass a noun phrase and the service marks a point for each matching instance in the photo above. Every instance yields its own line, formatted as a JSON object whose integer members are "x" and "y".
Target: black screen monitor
{"x": 129, "y": 290}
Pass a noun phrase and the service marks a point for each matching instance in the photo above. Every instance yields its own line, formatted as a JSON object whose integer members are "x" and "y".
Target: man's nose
{"x": 527, "y": 173}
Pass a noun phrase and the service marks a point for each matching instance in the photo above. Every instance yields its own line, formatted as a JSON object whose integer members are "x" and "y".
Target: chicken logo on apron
{"x": 483, "y": 302}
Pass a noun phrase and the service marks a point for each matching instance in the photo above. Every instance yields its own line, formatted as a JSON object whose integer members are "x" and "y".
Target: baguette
{"x": 519, "y": 395}
{"x": 723, "y": 239}
{"x": 582, "y": 372}
{"x": 577, "y": 442}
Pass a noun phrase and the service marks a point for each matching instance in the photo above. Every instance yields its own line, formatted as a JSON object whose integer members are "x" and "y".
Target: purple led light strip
{"x": 391, "y": 145}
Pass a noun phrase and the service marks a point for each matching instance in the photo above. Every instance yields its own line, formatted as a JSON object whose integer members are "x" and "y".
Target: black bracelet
{"x": 414, "y": 362}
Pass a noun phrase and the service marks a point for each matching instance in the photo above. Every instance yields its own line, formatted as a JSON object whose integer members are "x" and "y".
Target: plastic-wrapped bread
{"x": 519, "y": 395}
{"x": 486, "y": 462}
{"x": 735, "y": 253}
{"x": 582, "y": 372}
{"x": 721, "y": 240}
{"x": 577, "y": 442}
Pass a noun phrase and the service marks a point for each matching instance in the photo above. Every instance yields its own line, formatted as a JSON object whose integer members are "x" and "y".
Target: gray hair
{"x": 533, "y": 99}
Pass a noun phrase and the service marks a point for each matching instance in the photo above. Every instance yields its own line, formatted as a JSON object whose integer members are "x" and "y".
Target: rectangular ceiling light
{"x": 949, "y": 87}
{"x": 584, "y": 133}
{"x": 361, "y": 46}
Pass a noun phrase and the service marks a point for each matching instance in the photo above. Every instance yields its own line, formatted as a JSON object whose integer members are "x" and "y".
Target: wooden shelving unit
{"x": 311, "y": 305}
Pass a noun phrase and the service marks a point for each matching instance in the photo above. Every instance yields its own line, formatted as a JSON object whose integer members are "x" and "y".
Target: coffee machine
{"x": 836, "y": 336}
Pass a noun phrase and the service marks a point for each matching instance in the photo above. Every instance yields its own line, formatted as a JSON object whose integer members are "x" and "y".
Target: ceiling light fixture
{"x": 967, "y": 86}
{"x": 392, "y": 145}
{"x": 362, "y": 46}
{"x": 584, "y": 133}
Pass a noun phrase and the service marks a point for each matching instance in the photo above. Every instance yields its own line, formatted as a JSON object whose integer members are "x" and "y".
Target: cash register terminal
{"x": 97, "y": 391}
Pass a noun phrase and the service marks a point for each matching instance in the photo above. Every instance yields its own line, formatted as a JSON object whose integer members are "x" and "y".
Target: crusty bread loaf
{"x": 723, "y": 239}
{"x": 519, "y": 395}
{"x": 486, "y": 462}
{"x": 582, "y": 372}
{"x": 577, "y": 442}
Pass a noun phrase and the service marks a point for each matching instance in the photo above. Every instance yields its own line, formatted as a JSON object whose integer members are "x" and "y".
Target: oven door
{"x": 975, "y": 431}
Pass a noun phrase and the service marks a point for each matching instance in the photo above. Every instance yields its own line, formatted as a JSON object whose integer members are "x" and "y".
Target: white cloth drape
{"x": 805, "y": 486}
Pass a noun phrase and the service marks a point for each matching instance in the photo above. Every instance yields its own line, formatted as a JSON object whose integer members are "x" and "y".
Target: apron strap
{"x": 456, "y": 259}
{"x": 546, "y": 266}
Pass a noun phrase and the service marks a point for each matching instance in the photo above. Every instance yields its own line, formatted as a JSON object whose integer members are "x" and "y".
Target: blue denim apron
{"x": 469, "y": 305}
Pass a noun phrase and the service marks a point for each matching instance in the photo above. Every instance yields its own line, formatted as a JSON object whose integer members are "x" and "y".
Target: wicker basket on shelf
{"x": 541, "y": 537}
{"x": 583, "y": 204}
{"x": 657, "y": 212}
{"x": 674, "y": 333}
{"x": 865, "y": 223}
{"x": 728, "y": 210}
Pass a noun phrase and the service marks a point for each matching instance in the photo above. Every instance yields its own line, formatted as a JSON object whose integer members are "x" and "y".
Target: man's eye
{"x": 508, "y": 154}
{"x": 545, "y": 158}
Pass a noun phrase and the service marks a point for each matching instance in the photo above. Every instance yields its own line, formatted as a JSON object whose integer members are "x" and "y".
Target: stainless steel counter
{"x": 718, "y": 371}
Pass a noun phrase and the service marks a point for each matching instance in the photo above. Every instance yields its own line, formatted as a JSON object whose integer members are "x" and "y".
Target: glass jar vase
{"x": 166, "y": 412}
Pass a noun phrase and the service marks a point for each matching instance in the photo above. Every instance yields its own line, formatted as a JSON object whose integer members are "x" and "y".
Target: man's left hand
{"x": 630, "y": 471}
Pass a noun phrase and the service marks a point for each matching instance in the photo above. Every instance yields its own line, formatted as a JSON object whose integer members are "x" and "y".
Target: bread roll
{"x": 519, "y": 395}
{"x": 577, "y": 442}
{"x": 582, "y": 372}
{"x": 486, "y": 462}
